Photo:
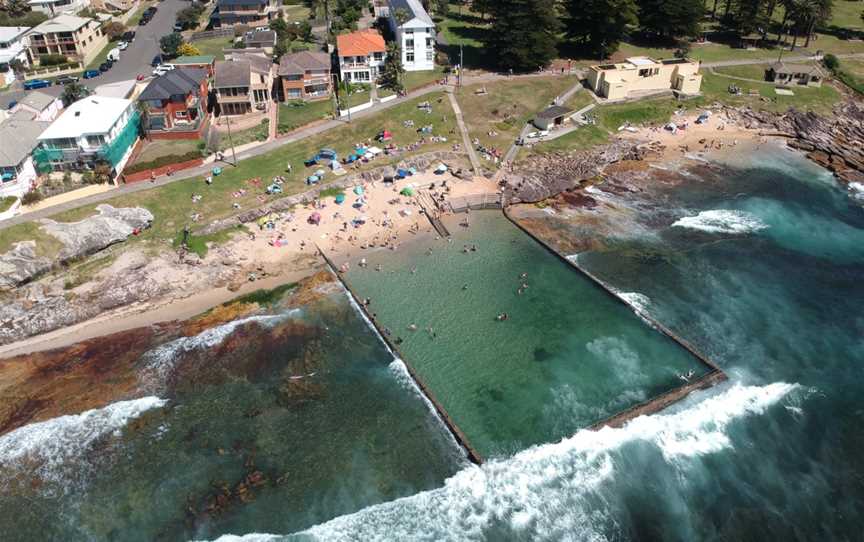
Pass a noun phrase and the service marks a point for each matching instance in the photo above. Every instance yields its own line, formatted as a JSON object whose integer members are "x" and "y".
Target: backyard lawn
{"x": 165, "y": 147}
{"x": 293, "y": 115}
{"x": 507, "y": 106}
{"x": 241, "y": 137}
{"x": 414, "y": 80}
{"x": 172, "y": 204}
{"x": 214, "y": 46}
{"x": 715, "y": 87}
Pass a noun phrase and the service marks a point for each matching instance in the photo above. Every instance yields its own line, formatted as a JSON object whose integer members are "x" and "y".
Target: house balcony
{"x": 234, "y": 99}
{"x": 354, "y": 65}
{"x": 317, "y": 81}
{"x": 35, "y": 42}
{"x": 243, "y": 12}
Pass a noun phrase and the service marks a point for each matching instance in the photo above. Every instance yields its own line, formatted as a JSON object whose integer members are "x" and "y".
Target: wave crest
{"x": 722, "y": 221}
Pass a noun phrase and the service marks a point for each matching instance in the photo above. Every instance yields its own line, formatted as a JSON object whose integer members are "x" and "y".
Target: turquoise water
{"x": 569, "y": 354}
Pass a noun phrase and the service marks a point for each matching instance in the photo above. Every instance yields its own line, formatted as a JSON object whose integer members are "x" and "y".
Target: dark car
{"x": 143, "y": 21}
{"x": 66, "y": 79}
{"x": 90, "y": 74}
{"x": 36, "y": 83}
{"x": 105, "y": 66}
{"x": 156, "y": 60}
{"x": 151, "y": 11}
{"x": 128, "y": 36}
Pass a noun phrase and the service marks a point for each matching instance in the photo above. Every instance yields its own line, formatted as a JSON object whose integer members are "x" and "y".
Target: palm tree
{"x": 144, "y": 120}
{"x": 73, "y": 92}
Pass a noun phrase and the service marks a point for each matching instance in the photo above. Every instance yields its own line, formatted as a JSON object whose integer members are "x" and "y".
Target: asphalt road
{"x": 134, "y": 60}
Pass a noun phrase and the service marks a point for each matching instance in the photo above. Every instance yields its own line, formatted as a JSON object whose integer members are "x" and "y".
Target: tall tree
{"x": 72, "y": 92}
{"x": 392, "y": 71}
{"x": 16, "y": 8}
{"x": 671, "y": 18}
{"x": 523, "y": 35}
{"x": 170, "y": 43}
{"x": 600, "y": 25}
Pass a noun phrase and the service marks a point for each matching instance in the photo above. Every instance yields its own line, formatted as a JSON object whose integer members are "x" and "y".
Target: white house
{"x": 361, "y": 55}
{"x": 91, "y": 130}
{"x": 415, "y": 36}
{"x": 13, "y": 45}
{"x": 17, "y": 171}
{"x": 38, "y": 106}
{"x": 56, "y": 7}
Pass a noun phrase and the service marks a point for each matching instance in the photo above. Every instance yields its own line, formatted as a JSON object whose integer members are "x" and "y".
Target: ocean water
{"x": 568, "y": 356}
{"x": 303, "y": 407}
{"x": 757, "y": 260}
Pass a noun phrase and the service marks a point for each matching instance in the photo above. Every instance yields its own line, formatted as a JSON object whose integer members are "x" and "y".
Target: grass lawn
{"x": 172, "y": 204}
{"x": 293, "y": 115}
{"x": 165, "y": 147}
{"x": 507, "y": 106}
{"x": 355, "y": 99}
{"x": 819, "y": 100}
{"x": 384, "y": 92}
{"x": 579, "y": 100}
{"x": 241, "y": 137}
{"x": 296, "y": 12}
{"x": 855, "y": 67}
{"x": 751, "y": 71}
{"x": 582, "y": 138}
{"x": 463, "y": 27}
{"x": 413, "y": 80}
{"x": 7, "y": 202}
{"x": 847, "y": 14}
{"x": 214, "y": 46}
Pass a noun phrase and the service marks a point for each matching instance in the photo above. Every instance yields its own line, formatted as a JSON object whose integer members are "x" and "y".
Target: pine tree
{"x": 523, "y": 35}
{"x": 671, "y": 19}
{"x": 600, "y": 25}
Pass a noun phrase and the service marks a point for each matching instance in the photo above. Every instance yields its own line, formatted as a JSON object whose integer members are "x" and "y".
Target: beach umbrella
{"x": 315, "y": 218}
{"x": 358, "y": 190}
{"x": 340, "y": 198}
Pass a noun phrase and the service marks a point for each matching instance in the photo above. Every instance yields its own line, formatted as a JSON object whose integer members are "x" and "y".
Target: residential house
{"x": 641, "y": 74}
{"x": 415, "y": 35}
{"x": 204, "y": 62}
{"x": 76, "y": 38}
{"x": 38, "y": 106}
{"x": 58, "y": 7}
{"x": 244, "y": 84}
{"x": 305, "y": 76}
{"x": 93, "y": 130}
{"x": 112, "y": 5}
{"x": 361, "y": 55}
{"x": 261, "y": 39}
{"x": 119, "y": 89}
{"x": 13, "y": 46}
{"x": 176, "y": 104}
{"x": 230, "y": 53}
{"x": 248, "y": 12}
{"x": 810, "y": 75}
{"x": 17, "y": 171}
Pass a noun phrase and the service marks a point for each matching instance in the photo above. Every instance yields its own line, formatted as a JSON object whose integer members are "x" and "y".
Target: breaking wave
{"x": 857, "y": 190}
{"x": 556, "y": 491}
{"x": 48, "y": 450}
{"x": 639, "y": 302}
{"x": 722, "y": 221}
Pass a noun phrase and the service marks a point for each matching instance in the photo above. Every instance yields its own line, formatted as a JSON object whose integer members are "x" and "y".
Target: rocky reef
{"x": 22, "y": 264}
{"x": 835, "y": 143}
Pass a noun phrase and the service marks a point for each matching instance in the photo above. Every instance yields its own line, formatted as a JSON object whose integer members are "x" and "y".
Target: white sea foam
{"x": 639, "y": 302}
{"x": 49, "y": 449}
{"x": 857, "y": 190}
{"x": 160, "y": 362}
{"x": 553, "y": 491}
{"x": 573, "y": 258}
{"x": 722, "y": 221}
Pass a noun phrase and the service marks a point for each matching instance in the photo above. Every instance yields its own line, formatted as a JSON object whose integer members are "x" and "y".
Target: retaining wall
{"x": 139, "y": 176}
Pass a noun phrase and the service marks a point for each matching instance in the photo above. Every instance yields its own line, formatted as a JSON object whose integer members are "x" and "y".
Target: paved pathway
{"x": 466, "y": 138}
{"x": 786, "y": 58}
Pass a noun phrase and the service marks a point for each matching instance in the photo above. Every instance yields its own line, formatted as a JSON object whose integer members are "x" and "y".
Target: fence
{"x": 475, "y": 202}
{"x": 356, "y": 108}
{"x": 215, "y": 33}
{"x": 53, "y": 70}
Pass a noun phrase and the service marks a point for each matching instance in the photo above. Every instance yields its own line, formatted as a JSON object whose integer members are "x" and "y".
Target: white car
{"x": 162, "y": 69}
{"x": 537, "y": 134}
{"x": 122, "y": 45}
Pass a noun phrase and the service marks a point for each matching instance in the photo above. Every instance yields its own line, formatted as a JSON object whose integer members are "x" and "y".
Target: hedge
{"x": 162, "y": 161}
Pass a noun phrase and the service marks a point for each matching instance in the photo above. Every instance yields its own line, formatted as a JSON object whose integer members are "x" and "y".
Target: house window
{"x": 409, "y": 45}
{"x": 430, "y": 56}
{"x": 429, "y": 43}
{"x": 293, "y": 92}
{"x": 378, "y": 56}
{"x": 409, "y": 56}
{"x": 180, "y": 114}
{"x": 95, "y": 141}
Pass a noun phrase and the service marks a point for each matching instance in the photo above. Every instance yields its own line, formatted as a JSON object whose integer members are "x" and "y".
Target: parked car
{"x": 105, "y": 66}
{"x": 65, "y": 79}
{"x": 90, "y": 74}
{"x": 162, "y": 70}
{"x": 178, "y": 27}
{"x": 143, "y": 21}
{"x": 128, "y": 36}
{"x": 156, "y": 60}
{"x": 36, "y": 83}
{"x": 123, "y": 45}
{"x": 151, "y": 11}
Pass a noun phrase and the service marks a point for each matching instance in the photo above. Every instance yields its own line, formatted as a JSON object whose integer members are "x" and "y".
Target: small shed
{"x": 555, "y": 115}
{"x": 781, "y": 73}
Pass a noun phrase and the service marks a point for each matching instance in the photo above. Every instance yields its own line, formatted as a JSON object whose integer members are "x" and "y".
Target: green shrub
{"x": 52, "y": 60}
{"x": 163, "y": 161}
{"x": 831, "y": 62}
{"x": 31, "y": 197}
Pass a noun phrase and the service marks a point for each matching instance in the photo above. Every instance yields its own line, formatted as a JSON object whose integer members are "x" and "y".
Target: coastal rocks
{"x": 545, "y": 176}
{"x": 92, "y": 234}
{"x": 21, "y": 264}
{"x": 835, "y": 143}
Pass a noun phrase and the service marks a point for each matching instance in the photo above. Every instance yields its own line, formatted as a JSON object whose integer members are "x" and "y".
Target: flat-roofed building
{"x": 641, "y": 74}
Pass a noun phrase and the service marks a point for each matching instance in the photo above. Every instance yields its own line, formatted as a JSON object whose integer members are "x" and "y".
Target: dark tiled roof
{"x": 553, "y": 112}
{"x": 232, "y": 73}
{"x": 267, "y": 37}
{"x": 174, "y": 82}
{"x": 298, "y": 63}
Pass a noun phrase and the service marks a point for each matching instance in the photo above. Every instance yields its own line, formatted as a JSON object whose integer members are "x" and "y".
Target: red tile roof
{"x": 362, "y": 43}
